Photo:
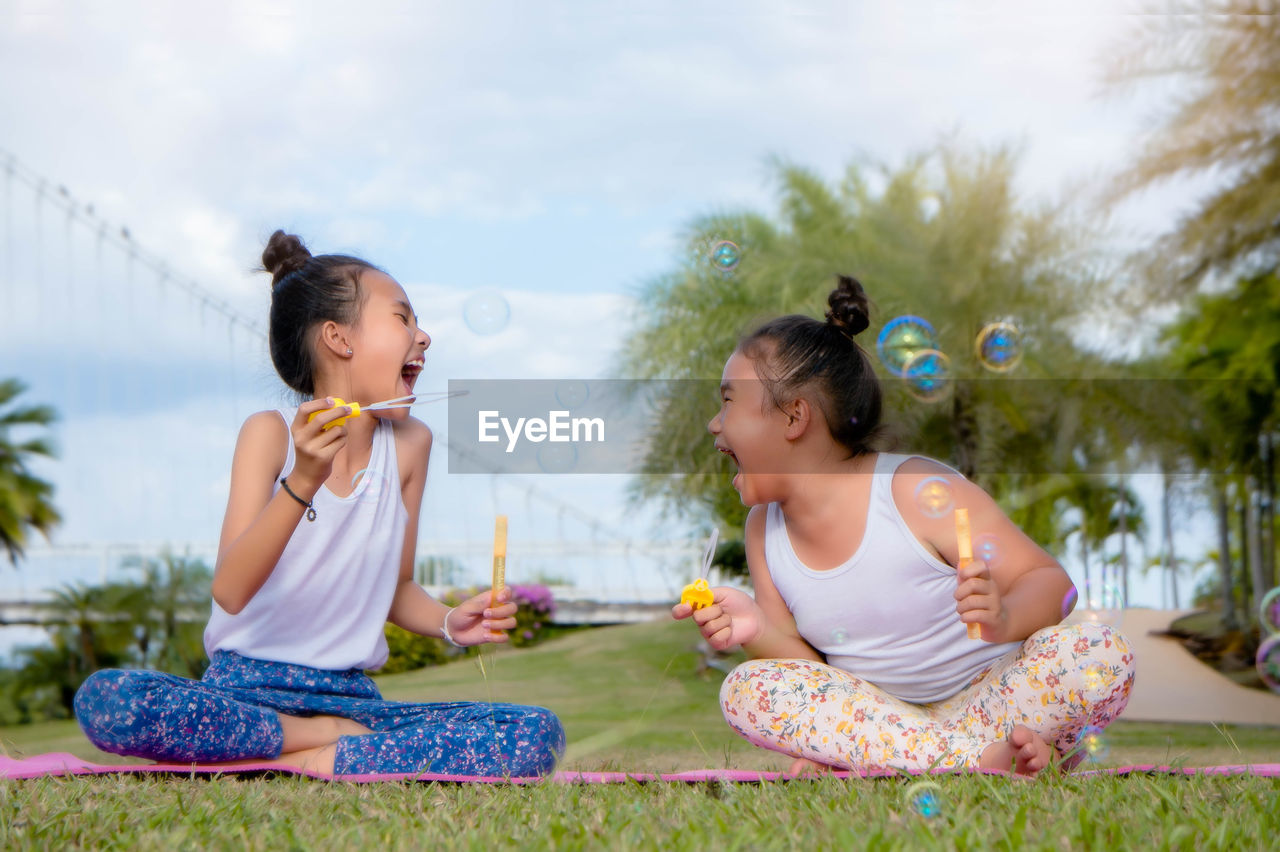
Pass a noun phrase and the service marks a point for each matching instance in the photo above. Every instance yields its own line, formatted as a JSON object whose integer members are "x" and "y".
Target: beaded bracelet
{"x": 311, "y": 512}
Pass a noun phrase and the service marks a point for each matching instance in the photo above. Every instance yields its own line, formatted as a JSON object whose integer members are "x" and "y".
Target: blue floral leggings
{"x": 231, "y": 714}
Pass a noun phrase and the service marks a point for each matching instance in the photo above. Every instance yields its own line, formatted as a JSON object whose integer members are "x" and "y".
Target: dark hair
{"x": 798, "y": 354}
{"x": 307, "y": 290}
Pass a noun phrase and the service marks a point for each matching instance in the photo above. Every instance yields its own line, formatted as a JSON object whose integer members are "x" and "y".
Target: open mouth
{"x": 409, "y": 373}
{"x": 728, "y": 452}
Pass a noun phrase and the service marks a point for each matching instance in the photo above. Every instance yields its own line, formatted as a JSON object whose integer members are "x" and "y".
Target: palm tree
{"x": 1225, "y": 54}
{"x": 167, "y": 607}
{"x": 941, "y": 237}
{"x": 24, "y": 499}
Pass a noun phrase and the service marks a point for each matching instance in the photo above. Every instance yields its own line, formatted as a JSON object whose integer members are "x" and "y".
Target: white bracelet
{"x": 444, "y": 629}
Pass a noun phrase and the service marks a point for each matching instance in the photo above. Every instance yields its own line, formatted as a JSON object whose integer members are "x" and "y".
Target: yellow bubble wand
{"x": 698, "y": 594}
{"x": 385, "y": 405}
{"x": 965, "y": 542}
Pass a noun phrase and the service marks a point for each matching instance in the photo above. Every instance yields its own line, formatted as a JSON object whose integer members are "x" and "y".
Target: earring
{"x": 349, "y": 352}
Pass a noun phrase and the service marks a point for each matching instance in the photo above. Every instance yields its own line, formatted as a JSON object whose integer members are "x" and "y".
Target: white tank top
{"x": 888, "y": 613}
{"x": 326, "y": 601}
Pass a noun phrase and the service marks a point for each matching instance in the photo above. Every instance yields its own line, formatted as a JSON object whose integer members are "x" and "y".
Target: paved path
{"x": 1173, "y": 686}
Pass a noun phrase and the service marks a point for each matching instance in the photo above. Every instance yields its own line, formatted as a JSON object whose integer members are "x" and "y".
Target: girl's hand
{"x": 313, "y": 447}
{"x": 733, "y": 618}
{"x": 978, "y": 601}
{"x": 474, "y": 621}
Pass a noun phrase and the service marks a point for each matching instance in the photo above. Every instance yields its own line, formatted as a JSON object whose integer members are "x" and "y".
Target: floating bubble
{"x": 557, "y": 458}
{"x": 839, "y": 636}
{"x": 1094, "y": 744}
{"x": 486, "y": 312}
{"x": 1103, "y": 596}
{"x": 928, "y": 375}
{"x": 925, "y": 798}
{"x": 1069, "y": 601}
{"x": 572, "y": 393}
{"x": 1269, "y": 610}
{"x": 1103, "y": 603}
{"x": 933, "y": 497}
{"x": 725, "y": 255}
{"x": 999, "y": 347}
{"x": 987, "y": 548}
{"x": 1268, "y": 661}
{"x": 900, "y": 340}
{"x": 375, "y": 484}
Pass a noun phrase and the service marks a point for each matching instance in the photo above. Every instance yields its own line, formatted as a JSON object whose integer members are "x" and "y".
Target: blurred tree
{"x": 941, "y": 237}
{"x": 24, "y": 499}
{"x": 1220, "y": 60}
{"x": 168, "y": 606}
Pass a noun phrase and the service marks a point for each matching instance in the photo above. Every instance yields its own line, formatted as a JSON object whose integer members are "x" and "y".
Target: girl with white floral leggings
{"x": 859, "y": 623}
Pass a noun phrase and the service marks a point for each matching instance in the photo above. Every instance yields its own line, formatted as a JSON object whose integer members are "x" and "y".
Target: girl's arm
{"x": 778, "y": 637}
{"x": 257, "y": 525}
{"x": 412, "y": 608}
{"x": 1019, "y": 591}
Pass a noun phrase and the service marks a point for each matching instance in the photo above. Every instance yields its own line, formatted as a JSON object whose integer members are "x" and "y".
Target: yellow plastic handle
{"x": 697, "y": 594}
{"x": 341, "y": 421}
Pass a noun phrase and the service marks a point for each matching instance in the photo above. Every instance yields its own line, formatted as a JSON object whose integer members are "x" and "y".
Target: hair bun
{"x": 284, "y": 254}
{"x": 850, "y": 311}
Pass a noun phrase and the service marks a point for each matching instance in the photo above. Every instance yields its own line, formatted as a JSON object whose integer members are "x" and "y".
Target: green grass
{"x": 630, "y": 699}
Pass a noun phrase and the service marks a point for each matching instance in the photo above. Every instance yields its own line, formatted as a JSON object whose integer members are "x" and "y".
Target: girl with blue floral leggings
{"x": 858, "y": 623}
{"x": 316, "y": 555}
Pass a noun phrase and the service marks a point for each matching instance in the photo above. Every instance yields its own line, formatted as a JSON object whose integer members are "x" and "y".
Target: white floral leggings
{"x": 1064, "y": 678}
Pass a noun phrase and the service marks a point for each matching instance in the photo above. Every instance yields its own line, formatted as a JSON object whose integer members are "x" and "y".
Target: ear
{"x": 334, "y": 338}
{"x": 799, "y": 416}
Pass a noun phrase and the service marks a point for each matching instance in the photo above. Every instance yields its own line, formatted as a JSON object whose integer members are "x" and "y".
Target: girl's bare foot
{"x": 1025, "y": 751}
{"x": 805, "y": 766}
{"x": 310, "y": 742}
{"x": 309, "y": 732}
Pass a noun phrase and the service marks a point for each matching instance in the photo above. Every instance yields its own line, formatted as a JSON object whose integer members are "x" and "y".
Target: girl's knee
{"x": 107, "y": 706}
{"x": 541, "y": 745}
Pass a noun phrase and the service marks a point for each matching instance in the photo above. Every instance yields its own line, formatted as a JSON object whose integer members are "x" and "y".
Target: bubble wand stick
{"x": 385, "y": 405}
{"x": 966, "y": 556}
{"x": 698, "y": 594}
{"x": 499, "y": 558}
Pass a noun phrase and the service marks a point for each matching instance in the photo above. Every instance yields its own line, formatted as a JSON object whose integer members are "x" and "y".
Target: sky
{"x": 546, "y": 158}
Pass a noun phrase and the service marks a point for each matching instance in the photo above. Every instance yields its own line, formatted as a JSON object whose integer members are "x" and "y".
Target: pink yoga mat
{"x": 61, "y": 763}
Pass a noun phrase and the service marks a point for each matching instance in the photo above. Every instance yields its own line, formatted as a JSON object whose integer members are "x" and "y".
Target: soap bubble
{"x": 900, "y": 340}
{"x": 1095, "y": 676}
{"x": 557, "y": 458}
{"x": 839, "y": 636}
{"x": 1104, "y": 596}
{"x": 987, "y": 548}
{"x": 725, "y": 255}
{"x": 928, "y": 375}
{"x": 1103, "y": 602}
{"x": 933, "y": 497}
{"x": 1268, "y": 661}
{"x": 572, "y": 393}
{"x": 1093, "y": 743}
{"x": 925, "y": 798}
{"x": 1269, "y": 610}
{"x": 1069, "y": 601}
{"x": 375, "y": 485}
{"x": 999, "y": 347}
{"x": 486, "y": 312}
